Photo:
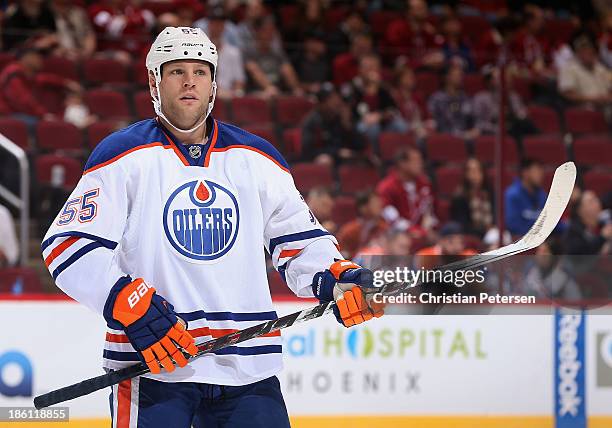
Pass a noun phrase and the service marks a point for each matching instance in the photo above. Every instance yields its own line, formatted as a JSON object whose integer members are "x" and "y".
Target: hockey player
{"x": 163, "y": 236}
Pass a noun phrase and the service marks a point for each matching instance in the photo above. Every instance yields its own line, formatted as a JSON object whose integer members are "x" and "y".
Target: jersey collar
{"x": 182, "y": 151}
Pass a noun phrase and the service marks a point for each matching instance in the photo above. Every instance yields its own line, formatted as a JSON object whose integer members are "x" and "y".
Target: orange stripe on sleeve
{"x": 289, "y": 253}
{"x": 57, "y": 251}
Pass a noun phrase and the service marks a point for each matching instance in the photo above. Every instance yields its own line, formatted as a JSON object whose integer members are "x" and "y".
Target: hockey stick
{"x": 558, "y": 198}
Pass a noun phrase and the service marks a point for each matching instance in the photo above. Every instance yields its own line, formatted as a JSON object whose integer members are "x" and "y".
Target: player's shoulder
{"x": 141, "y": 134}
{"x": 234, "y": 137}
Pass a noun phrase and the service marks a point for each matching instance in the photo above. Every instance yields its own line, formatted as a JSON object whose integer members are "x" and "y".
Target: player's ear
{"x": 152, "y": 84}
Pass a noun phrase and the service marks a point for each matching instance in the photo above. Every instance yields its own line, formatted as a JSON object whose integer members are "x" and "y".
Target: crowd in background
{"x": 369, "y": 69}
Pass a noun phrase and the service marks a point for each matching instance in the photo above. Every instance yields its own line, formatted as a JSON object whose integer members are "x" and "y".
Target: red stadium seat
{"x": 545, "y": 119}
{"x": 357, "y": 178}
{"x": 546, "y": 149}
{"x": 509, "y": 174}
{"x": 391, "y": 142}
{"x": 290, "y": 111}
{"x": 345, "y": 210}
{"x": 51, "y": 98}
{"x": 57, "y": 170}
{"x": 221, "y": 110}
{"x": 445, "y": 148}
{"x": 427, "y": 82}
{"x": 30, "y": 281}
{"x": 582, "y": 121}
{"x": 58, "y": 135}
{"x": 5, "y": 59}
{"x": 139, "y": 74}
{"x": 484, "y": 149}
{"x": 310, "y": 175}
{"x": 380, "y": 20}
{"x": 593, "y": 151}
{"x": 16, "y": 131}
{"x": 442, "y": 210}
{"x": 473, "y": 82}
{"x": 107, "y": 104}
{"x": 251, "y": 110}
{"x": 559, "y": 30}
{"x": 447, "y": 180}
{"x": 62, "y": 67}
{"x": 292, "y": 142}
{"x": 598, "y": 181}
{"x": 264, "y": 131}
{"x": 473, "y": 26}
{"x": 334, "y": 16}
{"x": 143, "y": 105}
{"x": 100, "y": 71}
{"x": 99, "y": 130}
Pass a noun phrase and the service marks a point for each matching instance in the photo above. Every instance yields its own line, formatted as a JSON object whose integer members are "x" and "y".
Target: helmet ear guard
{"x": 176, "y": 43}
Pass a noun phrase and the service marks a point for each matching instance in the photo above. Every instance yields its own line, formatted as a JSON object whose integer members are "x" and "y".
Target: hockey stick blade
{"x": 558, "y": 198}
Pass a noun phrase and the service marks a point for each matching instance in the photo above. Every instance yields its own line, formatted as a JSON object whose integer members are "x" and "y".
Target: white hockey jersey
{"x": 193, "y": 222}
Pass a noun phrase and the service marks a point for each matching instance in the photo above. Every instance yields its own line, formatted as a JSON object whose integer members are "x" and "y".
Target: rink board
{"x": 395, "y": 371}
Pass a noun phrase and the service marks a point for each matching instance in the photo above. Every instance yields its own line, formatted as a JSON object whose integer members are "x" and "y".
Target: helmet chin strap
{"x": 158, "y": 108}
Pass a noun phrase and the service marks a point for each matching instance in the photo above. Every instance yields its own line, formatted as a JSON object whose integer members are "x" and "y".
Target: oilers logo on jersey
{"x": 201, "y": 220}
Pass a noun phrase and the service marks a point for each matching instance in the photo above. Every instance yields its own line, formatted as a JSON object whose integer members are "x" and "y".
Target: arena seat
{"x": 345, "y": 209}
{"x": 69, "y": 171}
{"x": 291, "y": 110}
{"x": 16, "y": 131}
{"x": 101, "y": 71}
{"x": 442, "y": 210}
{"x": 292, "y": 142}
{"x": 583, "y": 121}
{"x": 251, "y": 110}
{"x": 445, "y": 148}
{"x": 544, "y": 118}
{"x": 484, "y": 149}
{"x": 593, "y": 151}
{"x": 97, "y": 131}
{"x": 447, "y": 180}
{"x": 143, "y": 105}
{"x": 598, "y": 181}
{"x": 473, "y": 83}
{"x": 264, "y": 131}
{"x": 545, "y": 148}
{"x": 390, "y": 143}
{"x": 221, "y": 110}
{"x": 61, "y": 66}
{"x": 30, "y": 282}
{"x": 108, "y": 104}
{"x": 357, "y": 178}
{"x": 58, "y": 135}
{"x": 427, "y": 82}
{"x": 309, "y": 175}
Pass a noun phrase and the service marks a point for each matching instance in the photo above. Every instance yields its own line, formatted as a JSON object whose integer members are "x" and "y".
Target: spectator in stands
{"x": 584, "y": 80}
{"x": 310, "y": 19}
{"x": 123, "y": 28}
{"x": 486, "y": 107}
{"x": 231, "y": 34}
{"x": 231, "y": 77}
{"x": 605, "y": 39}
{"x": 269, "y": 69}
{"x": 451, "y": 108}
{"x": 472, "y": 203}
{"x": 547, "y": 277}
{"x": 75, "y": 35}
{"x": 340, "y": 40}
{"x": 525, "y": 198}
{"x": 411, "y": 103}
{"x": 29, "y": 22}
{"x": 321, "y": 203}
{"x": 590, "y": 228}
{"x": 311, "y": 64}
{"x": 449, "y": 248}
{"x": 407, "y": 195}
{"x": 368, "y": 225}
{"x": 327, "y": 132}
{"x": 415, "y": 38}
{"x": 530, "y": 46}
{"x": 455, "y": 48}
{"x": 374, "y": 108}
{"x": 18, "y": 84}
{"x": 247, "y": 33}
{"x": 9, "y": 247}
{"x": 346, "y": 65}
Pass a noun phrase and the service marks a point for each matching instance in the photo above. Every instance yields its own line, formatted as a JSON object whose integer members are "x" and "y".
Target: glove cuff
{"x": 341, "y": 266}
{"x": 110, "y": 302}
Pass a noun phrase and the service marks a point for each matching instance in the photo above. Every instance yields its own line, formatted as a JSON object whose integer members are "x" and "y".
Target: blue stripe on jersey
{"x": 314, "y": 233}
{"x": 105, "y": 242}
{"x": 230, "y": 135}
{"x": 73, "y": 258}
{"x": 229, "y": 316}
{"x": 230, "y": 350}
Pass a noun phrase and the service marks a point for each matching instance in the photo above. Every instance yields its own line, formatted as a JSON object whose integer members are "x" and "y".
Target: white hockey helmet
{"x": 175, "y": 43}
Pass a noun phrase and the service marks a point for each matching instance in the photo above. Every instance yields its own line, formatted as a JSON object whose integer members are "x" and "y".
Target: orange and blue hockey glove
{"x": 344, "y": 283}
{"x": 150, "y": 323}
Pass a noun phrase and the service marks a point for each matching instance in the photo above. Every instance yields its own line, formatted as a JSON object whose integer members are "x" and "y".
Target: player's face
{"x": 186, "y": 90}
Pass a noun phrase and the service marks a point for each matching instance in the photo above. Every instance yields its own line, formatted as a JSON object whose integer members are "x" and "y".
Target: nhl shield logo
{"x": 201, "y": 220}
